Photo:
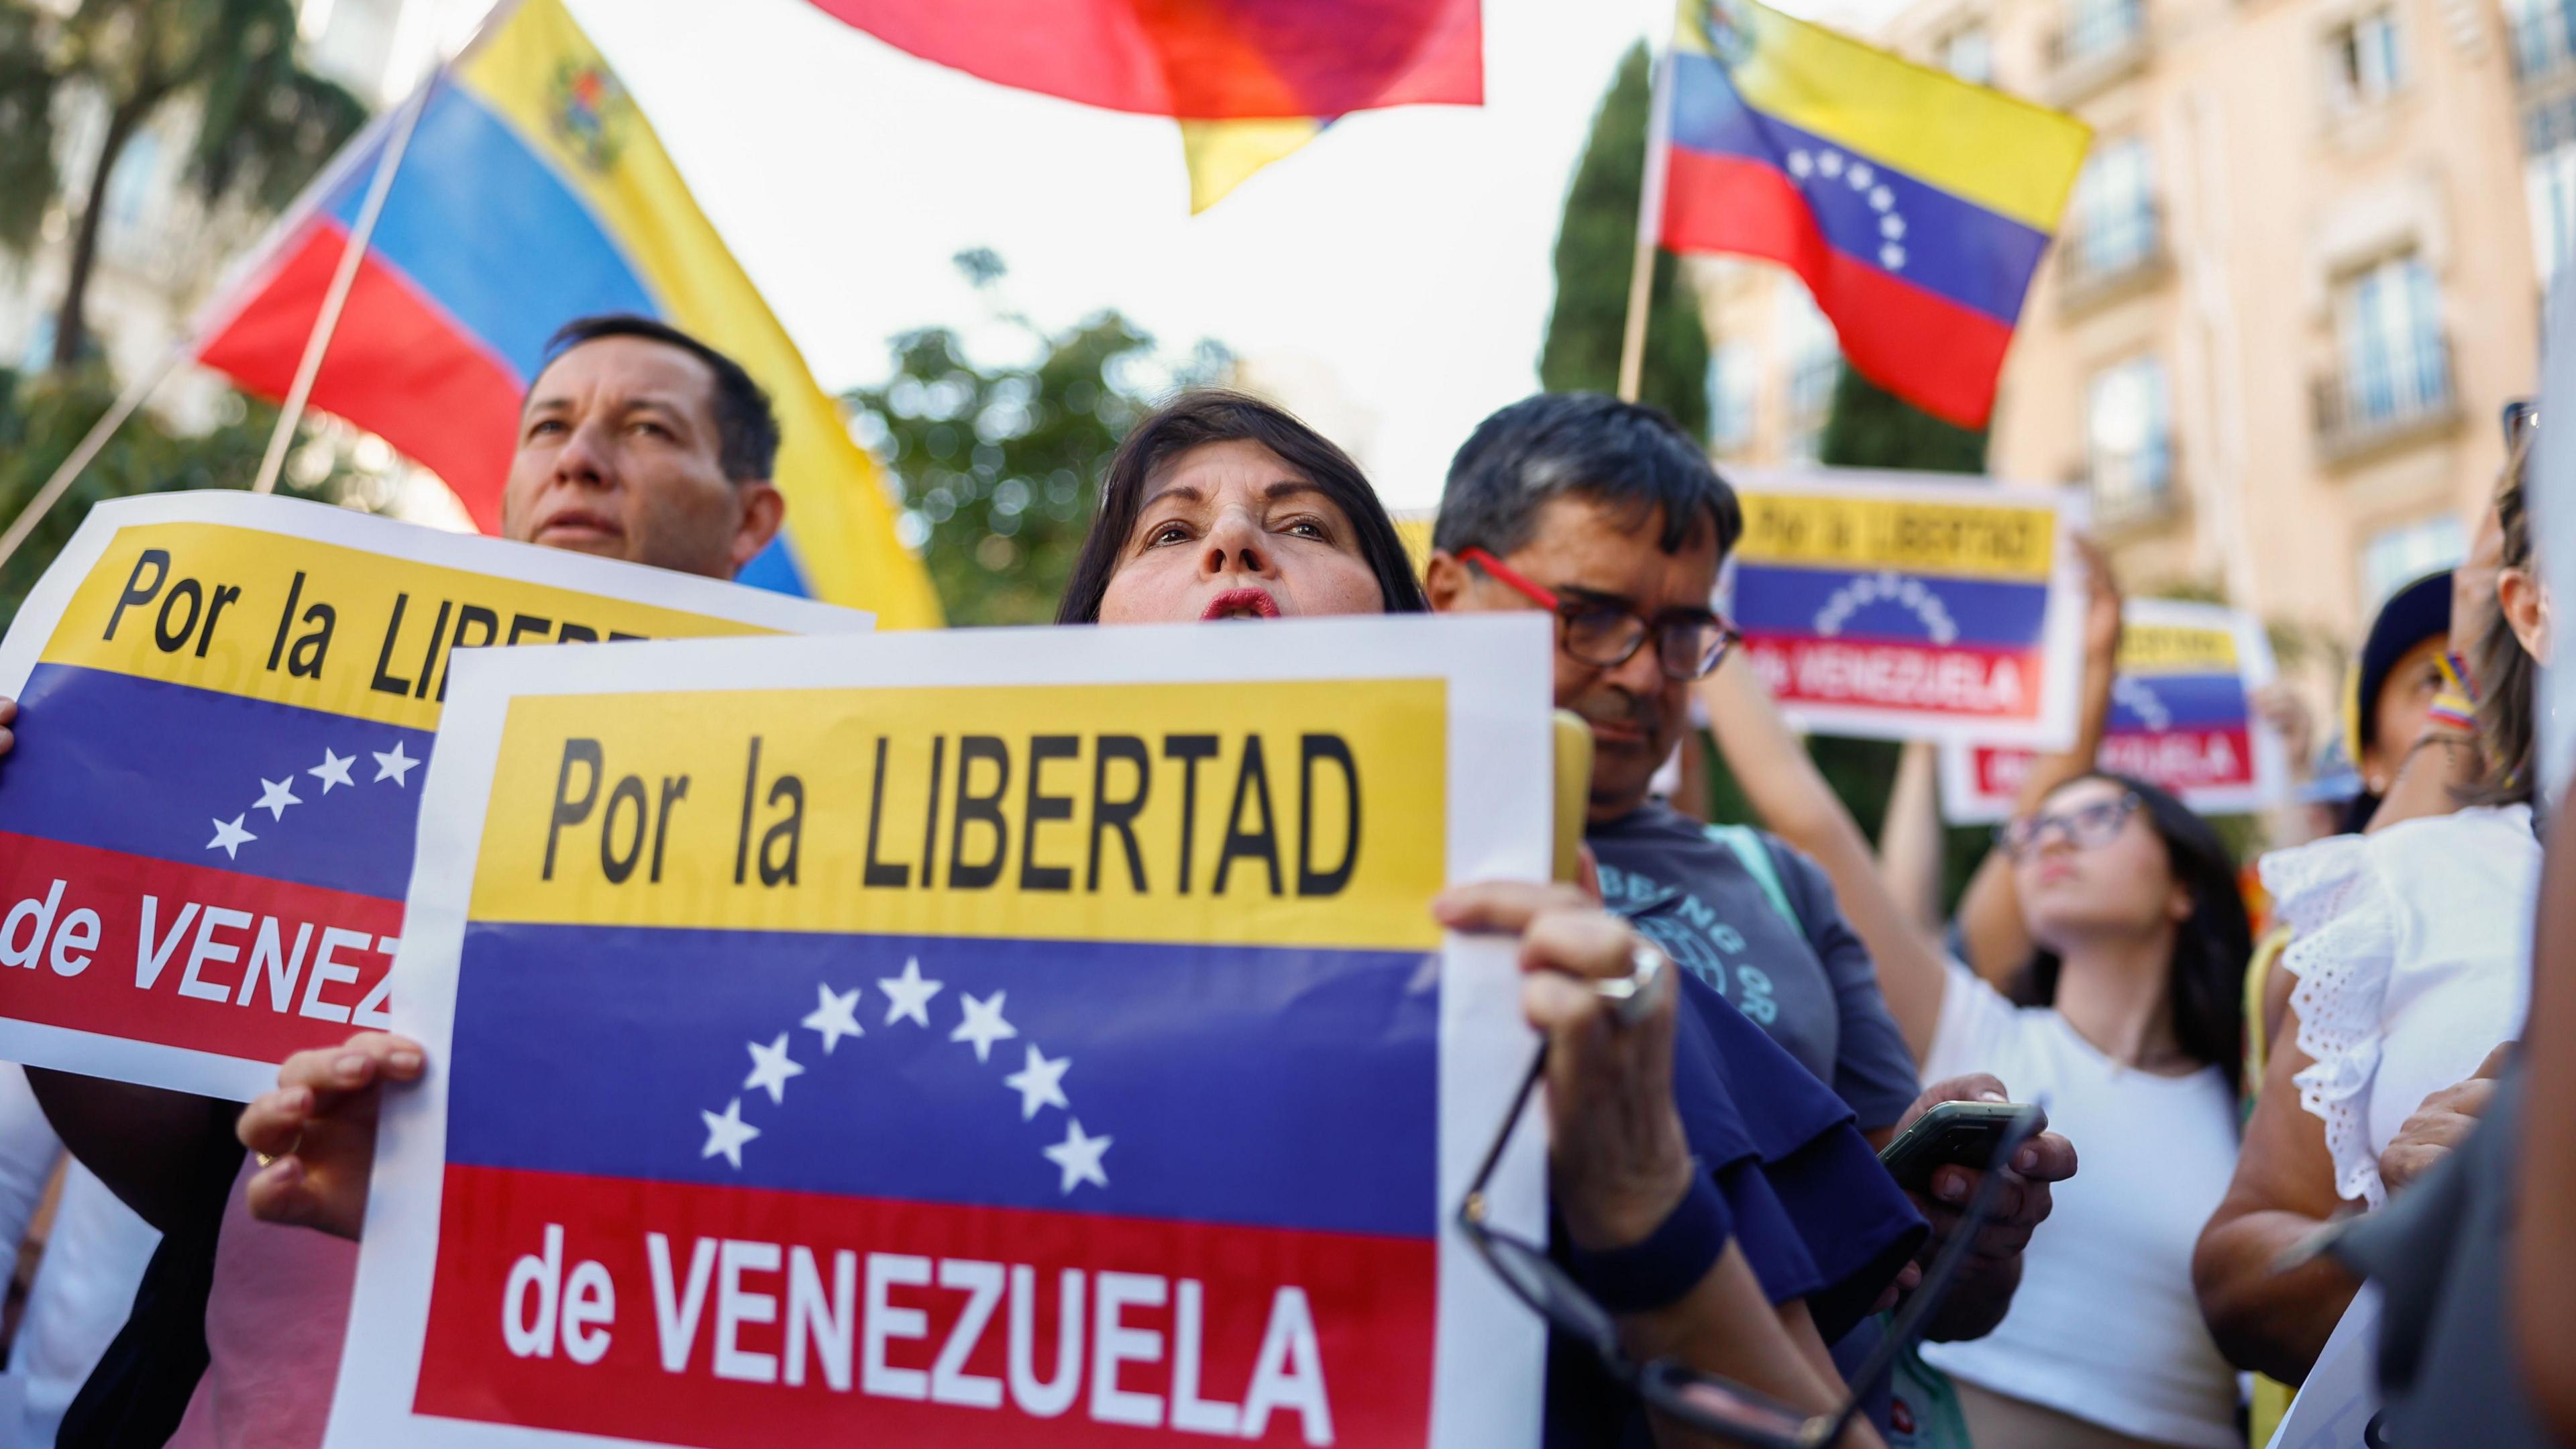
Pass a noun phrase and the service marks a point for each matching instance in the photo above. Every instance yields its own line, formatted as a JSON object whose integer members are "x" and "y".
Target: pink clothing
{"x": 274, "y": 1325}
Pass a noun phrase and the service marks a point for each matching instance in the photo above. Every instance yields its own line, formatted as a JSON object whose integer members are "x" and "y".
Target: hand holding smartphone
{"x": 1963, "y": 1134}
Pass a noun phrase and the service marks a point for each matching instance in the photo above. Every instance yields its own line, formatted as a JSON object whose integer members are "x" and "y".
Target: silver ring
{"x": 1635, "y": 996}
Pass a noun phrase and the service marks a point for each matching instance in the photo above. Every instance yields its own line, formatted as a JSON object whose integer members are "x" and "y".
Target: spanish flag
{"x": 1250, "y": 81}
{"x": 534, "y": 191}
{"x": 1915, "y": 205}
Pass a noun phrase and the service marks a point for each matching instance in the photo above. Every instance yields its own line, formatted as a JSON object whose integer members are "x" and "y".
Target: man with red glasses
{"x": 1609, "y": 516}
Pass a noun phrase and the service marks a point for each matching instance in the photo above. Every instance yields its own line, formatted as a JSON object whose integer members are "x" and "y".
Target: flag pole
{"x": 1650, "y": 226}
{"x": 82, "y": 456}
{"x": 361, "y": 232}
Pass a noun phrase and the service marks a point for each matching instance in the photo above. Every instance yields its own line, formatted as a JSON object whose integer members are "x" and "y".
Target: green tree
{"x": 1595, "y": 253}
{"x": 264, "y": 124}
{"x": 41, "y": 419}
{"x": 998, "y": 465}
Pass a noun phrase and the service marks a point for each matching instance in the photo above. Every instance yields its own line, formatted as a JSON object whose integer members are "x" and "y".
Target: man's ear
{"x": 2525, "y": 605}
{"x": 1444, "y": 581}
{"x": 764, "y": 508}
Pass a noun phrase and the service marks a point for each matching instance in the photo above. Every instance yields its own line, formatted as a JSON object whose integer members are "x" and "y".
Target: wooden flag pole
{"x": 361, "y": 232}
{"x": 1650, "y": 227}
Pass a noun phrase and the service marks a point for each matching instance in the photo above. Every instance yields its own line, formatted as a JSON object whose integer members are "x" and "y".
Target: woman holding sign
{"x": 1679, "y": 1217}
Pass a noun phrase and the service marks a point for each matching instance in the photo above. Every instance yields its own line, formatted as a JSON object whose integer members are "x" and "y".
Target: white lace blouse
{"x": 2412, "y": 949}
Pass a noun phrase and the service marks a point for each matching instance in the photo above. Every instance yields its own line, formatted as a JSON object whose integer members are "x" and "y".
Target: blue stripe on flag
{"x": 2185, "y": 701}
{"x": 1990, "y": 613}
{"x": 1280, "y": 1088}
{"x": 99, "y": 762}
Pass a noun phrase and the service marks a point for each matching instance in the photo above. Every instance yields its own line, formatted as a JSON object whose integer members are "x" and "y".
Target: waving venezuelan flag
{"x": 1915, "y": 205}
{"x": 1250, "y": 81}
{"x": 534, "y": 191}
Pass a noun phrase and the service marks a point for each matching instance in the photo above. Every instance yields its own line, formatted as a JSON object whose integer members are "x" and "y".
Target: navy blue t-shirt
{"x": 1810, "y": 985}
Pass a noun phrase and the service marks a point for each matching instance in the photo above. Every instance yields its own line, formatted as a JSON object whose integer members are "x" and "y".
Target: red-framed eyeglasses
{"x": 1604, "y": 634}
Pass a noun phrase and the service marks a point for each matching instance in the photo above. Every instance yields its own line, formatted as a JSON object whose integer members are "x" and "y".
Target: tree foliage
{"x": 43, "y": 418}
{"x": 998, "y": 466}
{"x": 264, "y": 124}
{"x": 1595, "y": 253}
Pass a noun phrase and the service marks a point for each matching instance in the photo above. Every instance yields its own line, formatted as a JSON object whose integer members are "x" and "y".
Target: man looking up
{"x": 1609, "y": 516}
{"x": 636, "y": 442}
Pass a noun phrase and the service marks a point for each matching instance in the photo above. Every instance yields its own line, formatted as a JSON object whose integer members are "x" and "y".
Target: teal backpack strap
{"x": 1748, "y": 845}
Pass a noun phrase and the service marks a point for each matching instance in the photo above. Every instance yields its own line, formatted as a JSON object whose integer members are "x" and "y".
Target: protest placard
{"x": 206, "y": 825}
{"x": 1900, "y": 606}
{"x": 1014, "y": 1037}
{"x": 2182, "y": 718}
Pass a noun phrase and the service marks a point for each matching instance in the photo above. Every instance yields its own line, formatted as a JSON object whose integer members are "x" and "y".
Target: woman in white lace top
{"x": 2411, "y": 946}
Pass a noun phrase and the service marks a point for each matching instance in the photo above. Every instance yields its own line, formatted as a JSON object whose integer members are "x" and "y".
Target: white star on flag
{"x": 1078, "y": 1155}
{"x": 334, "y": 770}
{"x": 230, "y": 837}
{"x": 1039, "y": 1083}
{"x": 275, "y": 796}
{"x": 984, "y": 1025}
{"x": 770, "y": 1069}
{"x": 836, "y": 1018}
{"x": 393, "y": 764}
{"x": 908, "y": 994}
{"x": 727, "y": 1133}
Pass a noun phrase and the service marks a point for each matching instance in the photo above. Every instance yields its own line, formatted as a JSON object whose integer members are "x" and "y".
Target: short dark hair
{"x": 2205, "y": 979}
{"x": 1215, "y": 415}
{"x": 1629, "y": 457}
{"x": 746, "y": 426}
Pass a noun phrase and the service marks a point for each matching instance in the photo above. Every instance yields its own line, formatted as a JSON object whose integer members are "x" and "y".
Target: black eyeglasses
{"x": 2520, "y": 416}
{"x": 1706, "y": 1402}
{"x": 2084, "y": 827}
{"x": 1608, "y": 635}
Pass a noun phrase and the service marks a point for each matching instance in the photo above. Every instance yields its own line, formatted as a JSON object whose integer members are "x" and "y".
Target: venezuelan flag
{"x": 1250, "y": 81}
{"x": 1914, "y": 205}
{"x": 534, "y": 191}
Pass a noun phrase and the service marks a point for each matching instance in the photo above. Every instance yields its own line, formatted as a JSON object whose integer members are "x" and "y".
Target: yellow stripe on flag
{"x": 841, "y": 521}
{"x": 1222, "y": 155}
{"x": 2010, "y": 156}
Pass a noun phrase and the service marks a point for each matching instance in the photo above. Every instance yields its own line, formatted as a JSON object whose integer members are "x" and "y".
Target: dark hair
{"x": 2507, "y": 675}
{"x": 746, "y": 428}
{"x": 1633, "y": 458}
{"x": 2205, "y": 981}
{"x": 1201, "y": 416}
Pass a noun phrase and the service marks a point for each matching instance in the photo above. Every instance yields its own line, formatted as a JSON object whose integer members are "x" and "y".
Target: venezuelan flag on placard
{"x": 1914, "y": 205}
{"x": 534, "y": 191}
{"x": 1250, "y": 81}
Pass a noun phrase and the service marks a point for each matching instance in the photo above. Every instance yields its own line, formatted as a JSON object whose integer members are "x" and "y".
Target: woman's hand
{"x": 317, "y": 1131}
{"x": 1618, "y": 1161}
{"x": 2101, "y": 604}
{"x": 2441, "y": 1124}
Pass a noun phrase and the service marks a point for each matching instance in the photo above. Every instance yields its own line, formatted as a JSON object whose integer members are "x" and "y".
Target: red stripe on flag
{"x": 917, "y": 1348}
{"x": 235, "y": 964}
{"x": 1942, "y": 357}
{"x": 1202, "y": 59}
{"x": 398, "y": 366}
{"x": 1958, "y": 681}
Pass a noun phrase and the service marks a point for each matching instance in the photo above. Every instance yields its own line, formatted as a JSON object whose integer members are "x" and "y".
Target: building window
{"x": 2115, "y": 211}
{"x": 1815, "y": 360}
{"x": 1969, "y": 53}
{"x": 2128, "y": 437}
{"x": 2396, "y": 557}
{"x": 2095, "y": 27}
{"x": 2362, "y": 59}
{"x": 1734, "y": 388}
{"x": 2549, "y": 185}
{"x": 2388, "y": 322}
{"x": 2543, "y": 33}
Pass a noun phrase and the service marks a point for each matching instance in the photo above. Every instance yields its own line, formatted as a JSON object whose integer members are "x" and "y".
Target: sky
{"x": 1391, "y": 281}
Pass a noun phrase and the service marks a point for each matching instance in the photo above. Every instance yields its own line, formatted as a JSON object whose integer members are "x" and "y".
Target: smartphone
{"x": 1964, "y": 1133}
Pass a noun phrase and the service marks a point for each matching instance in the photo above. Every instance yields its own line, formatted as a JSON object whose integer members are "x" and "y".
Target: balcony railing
{"x": 2106, "y": 252}
{"x": 2386, "y": 398}
{"x": 2102, "y": 41}
{"x": 2132, "y": 487}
